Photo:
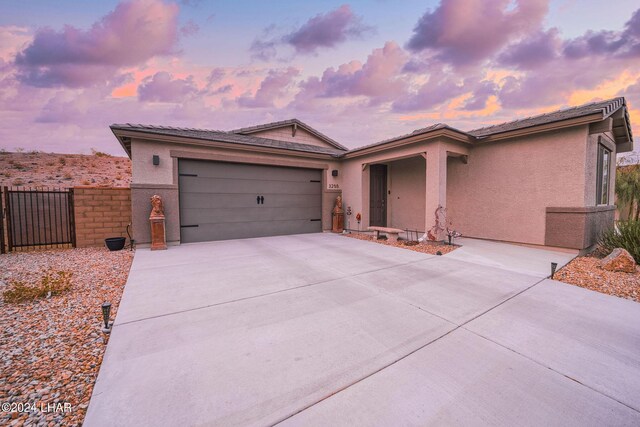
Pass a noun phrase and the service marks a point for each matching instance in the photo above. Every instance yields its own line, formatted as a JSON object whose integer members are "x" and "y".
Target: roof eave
{"x": 125, "y": 146}
{"x": 545, "y": 127}
{"x": 203, "y": 142}
{"x": 411, "y": 139}
{"x": 287, "y": 123}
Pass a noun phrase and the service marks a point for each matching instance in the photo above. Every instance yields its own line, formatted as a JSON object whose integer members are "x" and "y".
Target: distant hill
{"x": 36, "y": 169}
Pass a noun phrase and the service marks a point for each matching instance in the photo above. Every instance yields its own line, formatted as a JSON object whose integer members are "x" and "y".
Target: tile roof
{"x": 603, "y": 107}
{"x": 420, "y": 131}
{"x": 265, "y": 126}
{"x": 221, "y": 136}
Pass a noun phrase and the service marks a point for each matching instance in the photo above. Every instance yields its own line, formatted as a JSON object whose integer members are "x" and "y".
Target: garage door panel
{"x": 218, "y": 200}
{"x": 247, "y": 186}
{"x": 245, "y": 171}
{"x": 210, "y": 201}
{"x": 227, "y": 231}
{"x": 253, "y": 214}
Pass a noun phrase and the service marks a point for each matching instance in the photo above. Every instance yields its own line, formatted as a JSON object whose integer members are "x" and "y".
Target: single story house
{"x": 544, "y": 180}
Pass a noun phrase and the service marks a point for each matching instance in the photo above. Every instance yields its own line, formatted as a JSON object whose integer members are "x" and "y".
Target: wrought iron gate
{"x": 38, "y": 218}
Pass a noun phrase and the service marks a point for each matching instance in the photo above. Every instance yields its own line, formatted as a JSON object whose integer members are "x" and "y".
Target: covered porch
{"x": 404, "y": 188}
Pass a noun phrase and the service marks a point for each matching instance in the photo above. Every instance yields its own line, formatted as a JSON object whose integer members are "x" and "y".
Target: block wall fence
{"x": 100, "y": 213}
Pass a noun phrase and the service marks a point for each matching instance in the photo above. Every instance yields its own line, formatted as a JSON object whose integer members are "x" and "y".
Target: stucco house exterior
{"x": 544, "y": 180}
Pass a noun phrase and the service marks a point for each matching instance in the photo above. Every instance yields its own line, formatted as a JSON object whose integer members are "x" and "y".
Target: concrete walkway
{"x": 325, "y": 330}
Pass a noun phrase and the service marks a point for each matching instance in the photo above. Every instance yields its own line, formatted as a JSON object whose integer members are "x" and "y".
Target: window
{"x": 604, "y": 165}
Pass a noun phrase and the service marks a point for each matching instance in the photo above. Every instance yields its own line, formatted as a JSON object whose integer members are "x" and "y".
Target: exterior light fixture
{"x": 334, "y": 172}
{"x": 156, "y": 160}
{"x": 106, "y": 311}
{"x": 554, "y": 265}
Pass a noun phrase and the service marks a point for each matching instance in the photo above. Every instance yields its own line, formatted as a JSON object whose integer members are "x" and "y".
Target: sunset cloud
{"x": 327, "y": 30}
{"x": 133, "y": 33}
{"x": 322, "y": 31}
{"x": 162, "y": 87}
{"x": 467, "y": 31}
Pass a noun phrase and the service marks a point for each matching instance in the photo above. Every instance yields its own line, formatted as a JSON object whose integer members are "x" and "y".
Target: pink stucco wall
{"x": 504, "y": 190}
{"x": 406, "y": 201}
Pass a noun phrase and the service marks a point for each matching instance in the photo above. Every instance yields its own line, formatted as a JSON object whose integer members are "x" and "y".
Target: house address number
{"x": 334, "y": 186}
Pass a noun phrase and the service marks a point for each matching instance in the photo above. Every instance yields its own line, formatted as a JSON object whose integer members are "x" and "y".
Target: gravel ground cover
{"x": 585, "y": 272}
{"x": 51, "y": 349}
{"x": 427, "y": 248}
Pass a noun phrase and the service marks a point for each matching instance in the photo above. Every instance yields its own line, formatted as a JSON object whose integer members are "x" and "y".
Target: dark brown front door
{"x": 378, "y": 196}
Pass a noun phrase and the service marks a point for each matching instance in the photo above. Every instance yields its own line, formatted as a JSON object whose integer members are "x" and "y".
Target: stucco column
{"x": 436, "y": 187}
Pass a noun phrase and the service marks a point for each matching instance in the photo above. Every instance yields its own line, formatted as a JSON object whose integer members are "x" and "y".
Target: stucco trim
{"x": 582, "y": 209}
{"x": 246, "y": 159}
{"x": 158, "y": 186}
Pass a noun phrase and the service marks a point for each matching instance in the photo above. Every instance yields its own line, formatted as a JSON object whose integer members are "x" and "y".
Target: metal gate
{"x": 38, "y": 218}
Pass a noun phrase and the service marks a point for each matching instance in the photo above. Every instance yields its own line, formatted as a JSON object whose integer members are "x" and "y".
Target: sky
{"x": 358, "y": 71}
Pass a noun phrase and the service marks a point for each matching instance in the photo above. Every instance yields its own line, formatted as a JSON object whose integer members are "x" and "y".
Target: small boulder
{"x": 619, "y": 260}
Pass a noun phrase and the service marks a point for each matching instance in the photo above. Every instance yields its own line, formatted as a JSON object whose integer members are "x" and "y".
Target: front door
{"x": 378, "y": 196}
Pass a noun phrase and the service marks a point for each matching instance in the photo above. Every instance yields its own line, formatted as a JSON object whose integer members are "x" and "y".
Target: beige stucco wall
{"x": 285, "y": 134}
{"x": 407, "y": 186}
{"x": 148, "y": 179}
{"x": 504, "y": 190}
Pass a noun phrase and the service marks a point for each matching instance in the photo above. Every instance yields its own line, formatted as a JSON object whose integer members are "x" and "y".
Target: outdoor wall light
{"x": 106, "y": 311}
{"x": 334, "y": 172}
{"x": 554, "y": 265}
{"x": 156, "y": 160}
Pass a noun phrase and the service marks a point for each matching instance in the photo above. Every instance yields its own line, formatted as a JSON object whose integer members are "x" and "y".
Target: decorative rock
{"x": 619, "y": 260}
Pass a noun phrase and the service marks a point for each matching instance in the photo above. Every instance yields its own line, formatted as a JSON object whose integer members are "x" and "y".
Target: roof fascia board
{"x": 424, "y": 137}
{"x": 218, "y": 144}
{"x": 541, "y": 128}
{"x": 299, "y": 124}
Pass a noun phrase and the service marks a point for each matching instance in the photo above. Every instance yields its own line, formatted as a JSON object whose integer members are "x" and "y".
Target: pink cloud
{"x": 133, "y": 33}
{"x": 625, "y": 43}
{"x": 322, "y": 31}
{"x": 467, "y": 31}
{"x": 532, "y": 52}
{"x": 162, "y": 87}
{"x": 327, "y": 30}
{"x": 272, "y": 87}
{"x": 378, "y": 78}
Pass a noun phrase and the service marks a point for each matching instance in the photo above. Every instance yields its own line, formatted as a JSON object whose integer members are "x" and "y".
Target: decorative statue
{"x": 157, "y": 208}
{"x": 156, "y": 221}
{"x": 338, "y": 216}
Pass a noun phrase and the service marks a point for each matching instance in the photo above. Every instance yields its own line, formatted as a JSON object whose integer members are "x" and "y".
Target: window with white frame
{"x": 604, "y": 166}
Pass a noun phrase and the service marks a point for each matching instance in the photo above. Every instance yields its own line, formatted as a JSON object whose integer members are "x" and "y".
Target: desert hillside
{"x": 36, "y": 169}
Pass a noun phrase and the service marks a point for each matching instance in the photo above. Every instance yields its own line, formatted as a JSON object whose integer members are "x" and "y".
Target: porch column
{"x": 436, "y": 187}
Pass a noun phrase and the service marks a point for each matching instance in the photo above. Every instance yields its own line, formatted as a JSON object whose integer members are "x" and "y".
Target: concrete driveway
{"x": 320, "y": 329}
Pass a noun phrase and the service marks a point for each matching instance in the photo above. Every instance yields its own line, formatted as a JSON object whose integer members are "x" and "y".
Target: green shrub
{"x": 51, "y": 284}
{"x": 626, "y": 236}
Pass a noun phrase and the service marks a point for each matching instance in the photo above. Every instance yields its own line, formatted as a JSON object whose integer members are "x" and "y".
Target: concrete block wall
{"x": 100, "y": 213}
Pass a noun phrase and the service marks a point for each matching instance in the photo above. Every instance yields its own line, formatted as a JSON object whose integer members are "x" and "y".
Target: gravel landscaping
{"x": 426, "y": 247}
{"x": 585, "y": 272}
{"x": 51, "y": 349}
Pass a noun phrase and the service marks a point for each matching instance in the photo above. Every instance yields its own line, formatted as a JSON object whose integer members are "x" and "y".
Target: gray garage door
{"x": 221, "y": 201}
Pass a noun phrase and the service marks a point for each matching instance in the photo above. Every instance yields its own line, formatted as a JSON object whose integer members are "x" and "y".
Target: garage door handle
{"x": 258, "y": 199}
{"x": 262, "y": 200}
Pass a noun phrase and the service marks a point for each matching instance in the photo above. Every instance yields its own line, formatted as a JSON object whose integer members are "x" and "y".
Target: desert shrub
{"x": 51, "y": 284}
{"x": 99, "y": 153}
{"x": 17, "y": 182}
{"x": 626, "y": 236}
{"x": 62, "y": 160}
{"x": 86, "y": 182}
{"x": 68, "y": 175}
